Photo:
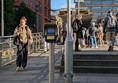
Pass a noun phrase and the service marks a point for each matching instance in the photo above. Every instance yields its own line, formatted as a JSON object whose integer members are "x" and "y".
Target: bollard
{"x": 45, "y": 46}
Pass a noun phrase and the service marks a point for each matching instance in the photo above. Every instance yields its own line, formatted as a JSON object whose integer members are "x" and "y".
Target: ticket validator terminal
{"x": 50, "y": 32}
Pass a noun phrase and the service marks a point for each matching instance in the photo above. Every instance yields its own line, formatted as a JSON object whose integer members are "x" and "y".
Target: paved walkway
{"x": 37, "y": 72}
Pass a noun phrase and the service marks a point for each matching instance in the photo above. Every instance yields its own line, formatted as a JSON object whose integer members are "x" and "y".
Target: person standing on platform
{"x": 92, "y": 33}
{"x": 110, "y": 28}
{"x": 77, "y": 29}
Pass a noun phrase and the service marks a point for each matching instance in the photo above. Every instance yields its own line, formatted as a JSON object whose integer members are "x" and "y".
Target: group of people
{"x": 93, "y": 36}
{"x": 83, "y": 36}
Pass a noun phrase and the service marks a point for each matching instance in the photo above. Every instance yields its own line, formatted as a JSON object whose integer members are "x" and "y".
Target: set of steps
{"x": 94, "y": 62}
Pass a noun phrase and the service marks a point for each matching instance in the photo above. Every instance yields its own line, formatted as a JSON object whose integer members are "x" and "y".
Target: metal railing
{"x": 8, "y": 49}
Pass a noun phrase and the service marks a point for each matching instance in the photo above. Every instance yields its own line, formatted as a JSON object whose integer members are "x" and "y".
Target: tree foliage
{"x": 24, "y": 11}
{"x": 13, "y": 14}
{"x": 9, "y": 16}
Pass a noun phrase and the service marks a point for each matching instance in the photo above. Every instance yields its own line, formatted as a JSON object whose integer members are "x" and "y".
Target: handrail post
{"x": 36, "y": 43}
{"x": 10, "y": 56}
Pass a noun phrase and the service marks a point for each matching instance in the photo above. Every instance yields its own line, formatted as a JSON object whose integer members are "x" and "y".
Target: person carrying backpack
{"x": 24, "y": 37}
{"x": 110, "y": 28}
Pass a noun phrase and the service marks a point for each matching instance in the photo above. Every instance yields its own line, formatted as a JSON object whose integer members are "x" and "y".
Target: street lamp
{"x": 68, "y": 48}
{"x": 78, "y": 1}
{"x": 2, "y": 20}
{"x": 37, "y": 17}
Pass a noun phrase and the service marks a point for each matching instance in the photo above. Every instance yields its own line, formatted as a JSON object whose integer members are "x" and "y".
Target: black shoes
{"x": 110, "y": 49}
{"x": 77, "y": 50}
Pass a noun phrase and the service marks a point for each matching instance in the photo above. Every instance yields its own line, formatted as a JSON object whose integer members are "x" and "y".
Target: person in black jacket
{"x": 77, "y": 29}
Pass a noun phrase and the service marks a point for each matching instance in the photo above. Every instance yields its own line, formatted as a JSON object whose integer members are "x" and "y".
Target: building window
{"x": 32, "y": 4}
{"x": 85, "y": 3}
{"x": 97, "y": 14}
{"x": 45, "y": 11}
{"x": 45, "y": 2}
{"x": 96, "y": 8}
{"x": 115, "y": 1}
{"x": 107, "y": 2}
{"x": 95, "y": 2}
{"x": 115, "y": 8}
{"x": 40, "y": 24}
{"x": 40, "y": 7}
{"x": 104, "y": 14}
{"x": 107, "y": 8}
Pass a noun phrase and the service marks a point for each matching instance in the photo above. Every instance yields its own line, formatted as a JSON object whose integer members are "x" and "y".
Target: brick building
{"x": 41, "y": 7}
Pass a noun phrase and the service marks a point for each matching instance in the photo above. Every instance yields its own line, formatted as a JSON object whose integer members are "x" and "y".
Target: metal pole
{"x": 51, "y": 63}
{"x": 0, "y": 55}
{"x": 2, "y": 20}
{"x": 37, "y": 18}
{"x": 78, "y": 7}
{"x": 68, "y": 49}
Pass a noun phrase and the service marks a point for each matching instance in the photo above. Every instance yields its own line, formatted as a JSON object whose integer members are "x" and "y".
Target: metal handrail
{"x": 8, "y": 49}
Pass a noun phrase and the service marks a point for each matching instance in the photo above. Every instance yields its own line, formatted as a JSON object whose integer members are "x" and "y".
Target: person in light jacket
{"x": 25, "y": 38}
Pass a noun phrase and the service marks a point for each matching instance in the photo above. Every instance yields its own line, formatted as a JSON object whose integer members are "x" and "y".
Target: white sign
{"x": 78, "y": 1}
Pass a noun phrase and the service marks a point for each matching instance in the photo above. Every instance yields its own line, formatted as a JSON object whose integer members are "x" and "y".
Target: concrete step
{"x": 96, "y": 55}
{"x": 94, "y": 62}
{"x": 84, "y": 62}
{"x": 92, "y": 69}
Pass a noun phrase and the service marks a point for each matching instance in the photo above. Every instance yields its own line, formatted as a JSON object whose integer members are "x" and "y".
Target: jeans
{"x": 22, "y": 53}
{"x": 93, "y": 41}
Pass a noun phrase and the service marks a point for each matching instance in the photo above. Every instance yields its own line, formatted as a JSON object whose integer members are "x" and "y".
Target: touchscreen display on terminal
{"x": 51, "y": 31}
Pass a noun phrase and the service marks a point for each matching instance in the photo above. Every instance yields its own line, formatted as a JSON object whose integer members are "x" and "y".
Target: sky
{"x": 57, "y": 4}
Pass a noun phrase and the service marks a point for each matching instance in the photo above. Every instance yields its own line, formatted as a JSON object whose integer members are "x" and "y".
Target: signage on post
{"x": 50, "y": 32}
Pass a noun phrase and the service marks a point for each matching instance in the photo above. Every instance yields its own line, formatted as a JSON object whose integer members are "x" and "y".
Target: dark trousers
{"x": 22, "y": 53}
{"x": 76, "y": 41}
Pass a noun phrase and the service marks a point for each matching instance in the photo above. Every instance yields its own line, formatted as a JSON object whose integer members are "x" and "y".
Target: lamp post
{"x": 37, "y": 17}
{"x": 78, "y": 1}
{"x": 2, "y": 20}
{"x": 68, "y": 48}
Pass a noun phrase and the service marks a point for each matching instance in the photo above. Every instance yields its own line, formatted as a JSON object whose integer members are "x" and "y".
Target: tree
{"x": 24, "y": 11}
{"x": 9, "y": 16}
{"x": 12, "y": 16}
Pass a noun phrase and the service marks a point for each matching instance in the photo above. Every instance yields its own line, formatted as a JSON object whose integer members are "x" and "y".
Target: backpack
{"x": 74, "y": 26}
{"x": 16, "y": 40}
{"x": 111, "y": 22}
